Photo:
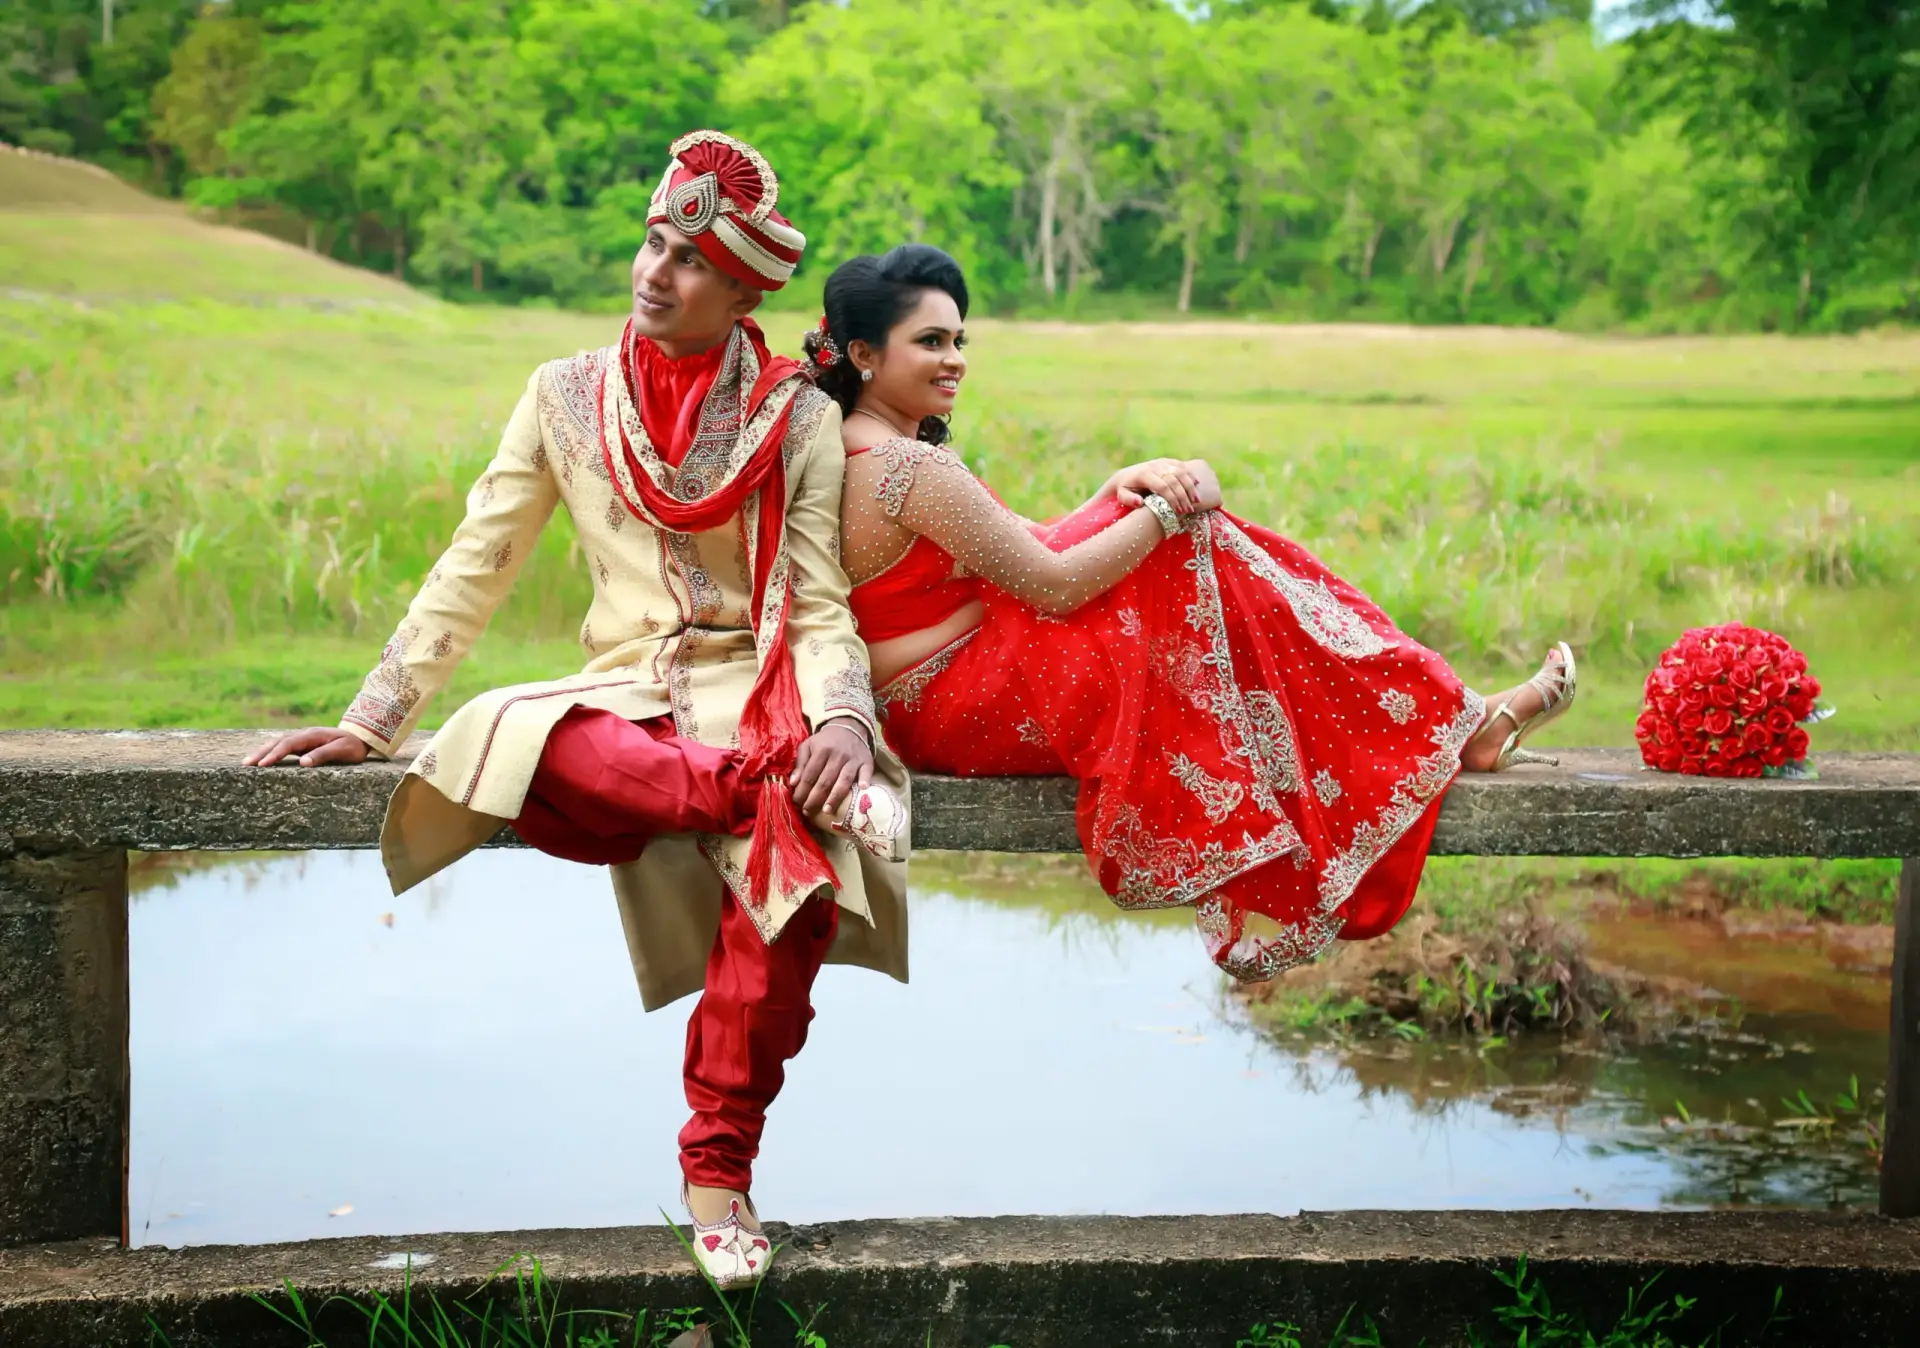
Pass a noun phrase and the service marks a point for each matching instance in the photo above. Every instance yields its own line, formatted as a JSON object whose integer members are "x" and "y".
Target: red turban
{"x": 720, "y": 192}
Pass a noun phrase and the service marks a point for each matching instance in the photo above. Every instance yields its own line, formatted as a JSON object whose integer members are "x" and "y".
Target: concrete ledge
{"x": 1051, "y": 1283}
{"x": 174, "y": 789}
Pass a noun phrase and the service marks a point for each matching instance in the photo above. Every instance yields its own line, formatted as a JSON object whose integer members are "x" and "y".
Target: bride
{"x": 1250, "y": 733}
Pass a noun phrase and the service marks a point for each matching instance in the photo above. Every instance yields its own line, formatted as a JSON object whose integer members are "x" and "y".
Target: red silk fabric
{"x": 917, "y": 592}
{"x": 772, "y": 726}
{"x": 1252, "y": 736}
{"x": 604, "y": 788}
{"x": 670, "y": 394}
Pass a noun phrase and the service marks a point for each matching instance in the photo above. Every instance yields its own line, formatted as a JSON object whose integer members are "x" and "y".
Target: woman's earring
{"x": 866, "y": 376}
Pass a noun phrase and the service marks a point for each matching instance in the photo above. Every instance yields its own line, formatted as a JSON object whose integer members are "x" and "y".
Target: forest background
{"x": 1723, "y": 165}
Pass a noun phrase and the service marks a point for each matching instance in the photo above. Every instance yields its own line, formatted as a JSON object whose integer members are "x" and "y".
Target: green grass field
{"x": 224, "y": 464}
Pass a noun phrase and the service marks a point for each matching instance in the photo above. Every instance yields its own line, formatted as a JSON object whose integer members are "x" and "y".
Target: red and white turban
{"x": 720, "y": 192}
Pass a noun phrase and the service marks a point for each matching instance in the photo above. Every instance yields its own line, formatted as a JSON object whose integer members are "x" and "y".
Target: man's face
{"x": 681, "y": 300}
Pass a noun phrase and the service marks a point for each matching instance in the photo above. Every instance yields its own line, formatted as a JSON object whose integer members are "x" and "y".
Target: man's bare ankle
{"x": 711, "y": 1205}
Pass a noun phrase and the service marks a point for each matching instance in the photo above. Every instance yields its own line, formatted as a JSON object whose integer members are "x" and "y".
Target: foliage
{"x": 1737, "y": 163}
{"x": 1828, "y": 98}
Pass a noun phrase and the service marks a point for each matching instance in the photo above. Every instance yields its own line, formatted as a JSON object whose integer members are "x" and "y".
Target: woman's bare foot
{"x": 711, "y": 1206}
{"x": 1483, "y": 750}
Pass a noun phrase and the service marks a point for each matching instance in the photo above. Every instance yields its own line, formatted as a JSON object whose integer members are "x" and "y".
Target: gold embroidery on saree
{"x": 904, "y": 689}
{"x": 1321, "y": 615}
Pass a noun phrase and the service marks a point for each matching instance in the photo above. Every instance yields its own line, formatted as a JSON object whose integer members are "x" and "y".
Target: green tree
{"x": 882, "y": 136}
{"x": 1829, "y": 93}
{"x": 65, "y": 89}
{"x": 214, "y": 79}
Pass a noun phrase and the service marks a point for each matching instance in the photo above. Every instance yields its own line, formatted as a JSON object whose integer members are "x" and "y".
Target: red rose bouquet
{"x": 1730, "y": 701}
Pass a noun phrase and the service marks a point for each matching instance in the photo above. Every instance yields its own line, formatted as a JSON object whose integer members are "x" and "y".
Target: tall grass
{"x": 1478, "y": 552}
{"x": 211, "y": 474}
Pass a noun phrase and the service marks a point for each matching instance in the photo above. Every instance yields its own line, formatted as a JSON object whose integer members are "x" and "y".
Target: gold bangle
{"x": 1164, "y": 512}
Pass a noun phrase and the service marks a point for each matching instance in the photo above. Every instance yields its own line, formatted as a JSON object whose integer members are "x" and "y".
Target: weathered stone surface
{"x": 63, "y": 1044}
{"x": 1049, "y": 1283}
{"x": 166, "y": 790}
{"x": 1900, "y": 1168}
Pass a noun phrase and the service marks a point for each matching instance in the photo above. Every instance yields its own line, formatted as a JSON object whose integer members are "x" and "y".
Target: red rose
{"x": 1719, "y": 767}
{"x": 1812, "y": 685}
{"x": 1694, "y": 744}
{"x": 1723, "y": 695}
{"x": 1748, "y": 767}
{"x": 1752, "y": 702}
{"x": 1719, "y": 721}
{"x": 1694, "y": 698}
{"x": 1670, "y": 760}
{"x": 1693, "y": 765}
{"x": 1779, "y": 720}
{"x": 1741, "y": 675}
{"x": 1648, "y": 727}
{"x": 1776, "y": 755}
{"x": 1707, "y": 666}
{"x": 1774, "y": 686}
{"x": 1796, "y": 744}
{"x": 1801, "y": 705}
{"x": 1691, "y": 719}
{"x": 1755, "y": 739}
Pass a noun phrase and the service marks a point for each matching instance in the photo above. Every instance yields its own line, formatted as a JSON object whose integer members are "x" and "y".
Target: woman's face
{"x": 918, "y": 372}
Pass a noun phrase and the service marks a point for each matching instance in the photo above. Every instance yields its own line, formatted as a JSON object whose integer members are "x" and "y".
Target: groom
{"x": 725, "y": 704}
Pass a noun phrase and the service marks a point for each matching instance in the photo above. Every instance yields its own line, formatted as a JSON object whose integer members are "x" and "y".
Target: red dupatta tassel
{"x": 783, "y": 853}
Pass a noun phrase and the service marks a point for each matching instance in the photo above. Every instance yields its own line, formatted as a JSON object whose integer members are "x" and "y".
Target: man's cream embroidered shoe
{"x": 875, "y": 818}
{"x": 728, "y": 1251}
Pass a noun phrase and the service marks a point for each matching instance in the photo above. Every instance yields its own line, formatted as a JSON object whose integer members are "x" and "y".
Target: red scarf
{"x": 670, "y": 394}
{"x": 783, "y": 853}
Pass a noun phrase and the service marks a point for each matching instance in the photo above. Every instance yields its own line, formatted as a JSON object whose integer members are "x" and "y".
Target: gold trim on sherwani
{"x": 670, "y": 631}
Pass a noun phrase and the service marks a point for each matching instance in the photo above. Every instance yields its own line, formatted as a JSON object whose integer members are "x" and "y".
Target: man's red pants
{"x": 604, "y": 787}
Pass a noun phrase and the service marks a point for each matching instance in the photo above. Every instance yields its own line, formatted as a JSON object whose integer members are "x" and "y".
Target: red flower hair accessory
{"x": 821, "y": 348}
{"x": 1730, "y": 701}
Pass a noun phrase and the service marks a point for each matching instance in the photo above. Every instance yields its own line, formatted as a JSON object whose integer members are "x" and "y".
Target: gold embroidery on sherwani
{"x": 390, "y": 694}
{"x": 725, "y": 437}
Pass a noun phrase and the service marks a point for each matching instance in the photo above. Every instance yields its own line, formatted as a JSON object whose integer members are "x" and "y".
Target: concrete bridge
{"x": 73, "y": 804}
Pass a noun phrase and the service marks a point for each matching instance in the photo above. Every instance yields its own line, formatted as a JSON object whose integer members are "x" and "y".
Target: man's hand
{"x": 835, "y": 759}
{"x": 1170, "y": 479}
{"x": 313, "y": 747}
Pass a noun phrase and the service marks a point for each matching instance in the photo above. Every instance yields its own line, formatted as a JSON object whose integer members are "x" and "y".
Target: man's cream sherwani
{"x": 669, "y": 631}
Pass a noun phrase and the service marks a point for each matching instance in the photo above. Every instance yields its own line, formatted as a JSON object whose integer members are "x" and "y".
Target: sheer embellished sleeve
{"x": 928, "y": 490}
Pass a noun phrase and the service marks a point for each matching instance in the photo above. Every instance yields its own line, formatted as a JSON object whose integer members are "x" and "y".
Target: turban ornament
{"x": 720, "y": 192}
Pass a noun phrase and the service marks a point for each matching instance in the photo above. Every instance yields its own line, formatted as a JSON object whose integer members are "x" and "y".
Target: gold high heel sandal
{"x": 1556, "y": 688}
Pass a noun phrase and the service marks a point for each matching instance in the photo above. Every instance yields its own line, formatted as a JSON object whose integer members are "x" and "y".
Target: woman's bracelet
{"x": 1164, "y": 512}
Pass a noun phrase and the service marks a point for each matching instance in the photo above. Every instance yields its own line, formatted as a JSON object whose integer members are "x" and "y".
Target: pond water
{"x": 314, "y": 1057}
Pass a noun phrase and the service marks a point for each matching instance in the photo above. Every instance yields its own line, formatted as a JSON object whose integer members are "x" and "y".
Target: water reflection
{"x": 473, "y": 1056}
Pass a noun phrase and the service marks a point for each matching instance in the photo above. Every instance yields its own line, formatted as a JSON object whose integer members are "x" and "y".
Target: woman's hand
{"x": 1207, "y": 490}
{"x": 1171, "y": 480}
